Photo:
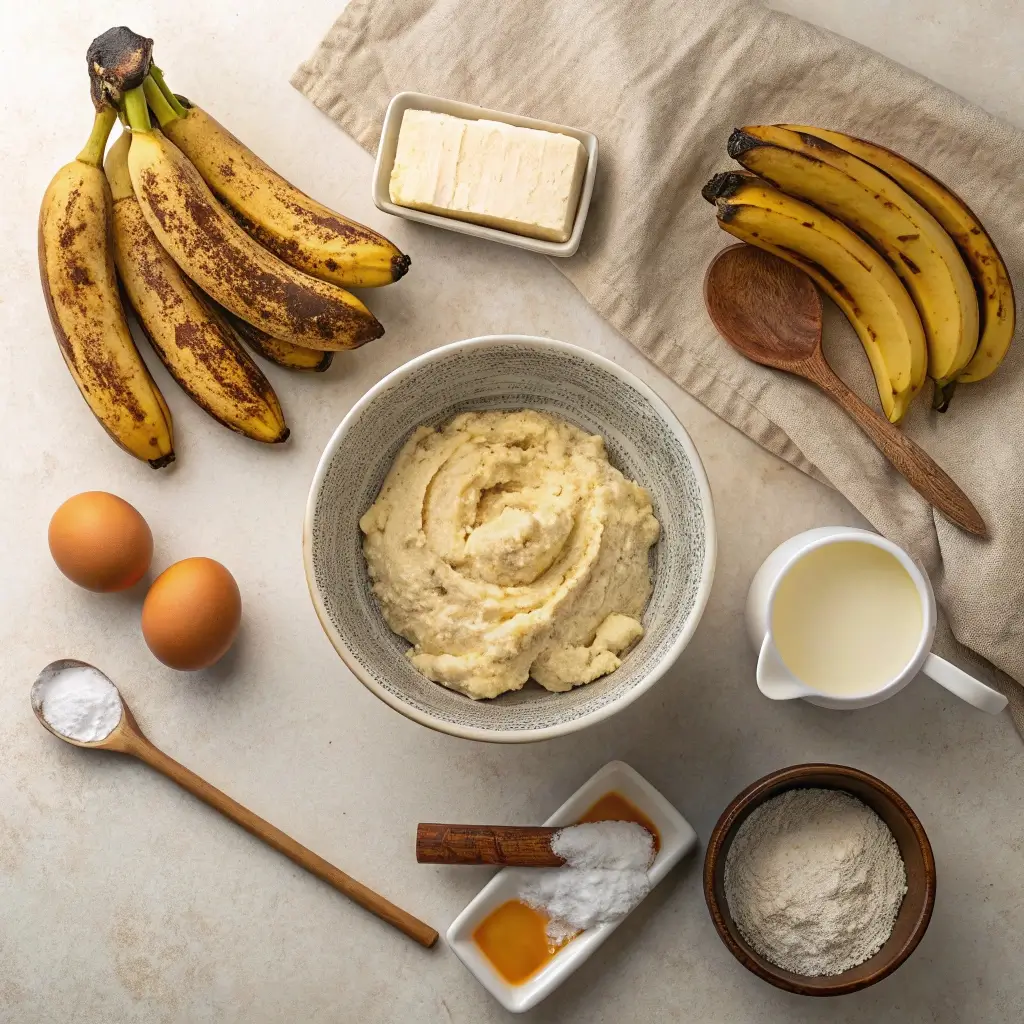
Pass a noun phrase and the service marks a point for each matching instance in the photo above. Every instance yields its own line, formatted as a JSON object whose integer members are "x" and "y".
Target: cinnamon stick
{"x": 527, "y": 846}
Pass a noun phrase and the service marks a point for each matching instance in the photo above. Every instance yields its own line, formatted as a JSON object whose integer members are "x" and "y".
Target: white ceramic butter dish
{"x": 677, "y": 837}
{"x": 421, "y": 101}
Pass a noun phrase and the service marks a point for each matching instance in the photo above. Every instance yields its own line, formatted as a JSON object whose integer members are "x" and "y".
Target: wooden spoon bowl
{"x": 770, "y": 312}
{"x": 915, "y": 911}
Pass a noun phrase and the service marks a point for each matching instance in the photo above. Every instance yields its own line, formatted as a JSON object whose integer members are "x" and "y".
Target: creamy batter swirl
{"x": 505, "y": 546}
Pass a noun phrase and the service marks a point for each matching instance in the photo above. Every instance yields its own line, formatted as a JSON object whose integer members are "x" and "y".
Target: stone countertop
{"x": 124, "y": 900}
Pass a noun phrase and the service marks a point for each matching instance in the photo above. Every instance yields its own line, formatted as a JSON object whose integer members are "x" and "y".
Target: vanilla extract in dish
{"x": 519, "y": 938}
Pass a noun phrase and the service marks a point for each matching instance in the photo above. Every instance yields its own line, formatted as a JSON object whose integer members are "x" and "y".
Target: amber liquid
{"x": 514, "y": 936}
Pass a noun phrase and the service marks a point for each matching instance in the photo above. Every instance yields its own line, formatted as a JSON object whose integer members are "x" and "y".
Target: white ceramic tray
{"x": 421, "y": 101}
{"x": 677, "y": 837}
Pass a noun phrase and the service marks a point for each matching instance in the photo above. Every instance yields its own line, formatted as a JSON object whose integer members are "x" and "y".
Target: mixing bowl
{"x": 915, "y": 911}
{"x": 644, "y": 440}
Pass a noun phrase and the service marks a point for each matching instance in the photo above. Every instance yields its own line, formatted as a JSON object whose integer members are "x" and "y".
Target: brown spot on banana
{"x": 909, "y": 263}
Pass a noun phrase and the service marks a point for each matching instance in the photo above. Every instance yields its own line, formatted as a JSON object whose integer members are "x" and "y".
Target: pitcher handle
{"x": 966, "y": 687}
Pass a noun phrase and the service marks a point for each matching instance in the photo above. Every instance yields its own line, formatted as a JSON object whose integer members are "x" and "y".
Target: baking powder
{"x": 604, "y": 877}
{"x": 814, "y": 881}
{"x": 78, "y": 702}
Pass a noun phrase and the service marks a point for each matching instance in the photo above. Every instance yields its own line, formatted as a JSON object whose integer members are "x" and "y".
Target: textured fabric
{"x": 662, "y": 83}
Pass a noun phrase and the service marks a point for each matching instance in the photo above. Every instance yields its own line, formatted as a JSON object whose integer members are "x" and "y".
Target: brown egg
{"x": 100, "y": 542}
{"x": 191, "y": 614}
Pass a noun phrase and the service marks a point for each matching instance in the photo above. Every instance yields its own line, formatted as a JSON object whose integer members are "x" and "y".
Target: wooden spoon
{"x": 128, "y": 738}
{"x": 770, "y": 312}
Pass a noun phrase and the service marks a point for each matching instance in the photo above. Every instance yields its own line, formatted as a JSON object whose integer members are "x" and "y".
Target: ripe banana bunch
{"x": 77, "y": 270}
{"x": 192, "y": 340}
{"x": 912, "y": 241}
{"x": 991, "y": 278}
{"x": 259, "y": 261}
{"x": 942, "y": 272}
{"x": 844, "y": 266}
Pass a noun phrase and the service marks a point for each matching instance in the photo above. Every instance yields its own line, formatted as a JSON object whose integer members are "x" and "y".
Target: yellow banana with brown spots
{"x": 192, "y": 340}
{"x": 293, "y": 226}
{"x": 77, "y": 271}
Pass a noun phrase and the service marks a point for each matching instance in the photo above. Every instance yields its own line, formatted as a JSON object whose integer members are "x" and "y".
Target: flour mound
{"x": 814, "y": 881}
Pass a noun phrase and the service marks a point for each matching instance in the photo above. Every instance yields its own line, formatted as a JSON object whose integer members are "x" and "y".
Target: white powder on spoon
{"x": 604, "y": 877}
{"x": 78, "y": 701}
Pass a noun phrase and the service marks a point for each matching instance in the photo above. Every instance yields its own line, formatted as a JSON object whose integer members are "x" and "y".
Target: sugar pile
{"x": 604, "y": 877}
{"x": 77, "y": 701}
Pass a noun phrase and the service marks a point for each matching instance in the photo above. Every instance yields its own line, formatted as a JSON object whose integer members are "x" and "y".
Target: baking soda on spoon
{"x": 603, "y": 879}
{"x": 77, "y": 701}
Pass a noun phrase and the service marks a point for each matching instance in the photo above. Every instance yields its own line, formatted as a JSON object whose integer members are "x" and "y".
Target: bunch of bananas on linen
{"x": 210, "y": 246}
{"x": 902, "y": 256}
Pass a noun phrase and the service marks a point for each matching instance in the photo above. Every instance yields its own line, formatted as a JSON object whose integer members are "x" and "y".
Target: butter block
{"x": 499, "y": 175}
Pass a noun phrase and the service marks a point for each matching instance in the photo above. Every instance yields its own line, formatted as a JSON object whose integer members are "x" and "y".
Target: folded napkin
{"x": 662, "y": 83}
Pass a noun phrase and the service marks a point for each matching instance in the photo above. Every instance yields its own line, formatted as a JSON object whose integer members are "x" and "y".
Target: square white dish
{"x": 677, "y": 837}
{"x": 421, "y": 101}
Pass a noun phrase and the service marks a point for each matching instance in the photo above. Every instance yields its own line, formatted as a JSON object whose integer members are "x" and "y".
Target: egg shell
{"x": 191, "y": 614}
{"x": 100, "y": 542}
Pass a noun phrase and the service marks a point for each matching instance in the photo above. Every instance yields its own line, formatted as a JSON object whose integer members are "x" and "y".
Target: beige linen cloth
{"x": 662, "y": 83}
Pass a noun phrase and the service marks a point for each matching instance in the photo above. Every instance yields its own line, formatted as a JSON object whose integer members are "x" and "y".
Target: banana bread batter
{"x": 504, "y": 545}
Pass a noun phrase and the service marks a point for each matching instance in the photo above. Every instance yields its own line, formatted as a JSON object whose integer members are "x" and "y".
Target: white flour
{"x": 814, "y": 880}
{"x": 604, "y": 877}
{"x": 78, "y": 702}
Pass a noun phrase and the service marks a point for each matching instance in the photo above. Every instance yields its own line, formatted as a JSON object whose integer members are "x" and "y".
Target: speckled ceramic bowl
{"x": 644, "y": 440}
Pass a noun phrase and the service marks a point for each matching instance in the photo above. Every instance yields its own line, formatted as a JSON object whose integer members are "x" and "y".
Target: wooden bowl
{"x": 914, "y": 914}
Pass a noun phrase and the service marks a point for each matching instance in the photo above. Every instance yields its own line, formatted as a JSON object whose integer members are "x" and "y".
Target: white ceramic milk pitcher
{"x": 774, "y": 678}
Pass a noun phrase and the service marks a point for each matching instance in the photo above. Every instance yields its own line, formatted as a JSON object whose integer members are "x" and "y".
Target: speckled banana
{"x": 913, "y": 242}
{"x": 274, "y": 350}
{"x": 986, "y": 266}
{"x": 294, "y": 227}
{"x": 844, "y": 266}
{"x": 220, "y": 257}
{"x": 199, "y": 350}
{"x": 77, "y": 270}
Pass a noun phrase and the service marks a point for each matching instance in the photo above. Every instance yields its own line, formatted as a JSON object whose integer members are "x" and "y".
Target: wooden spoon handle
{"x": 141, "y": 748}
{"x": 518, "y": 846}
{"x": 920, "y": 470}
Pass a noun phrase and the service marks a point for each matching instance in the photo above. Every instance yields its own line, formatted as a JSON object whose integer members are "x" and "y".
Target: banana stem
{"x": 136, "y": 111}
{"x": 943, "y": 394}
{"x": 158, "y": 76}
{"x": 92, "y": 152}
{"x": 157, "y": 103}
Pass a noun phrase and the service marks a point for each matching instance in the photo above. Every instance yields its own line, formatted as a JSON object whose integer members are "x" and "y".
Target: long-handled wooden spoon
{"x": 771, "y": 312}
{"x": 128, "y": 738}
